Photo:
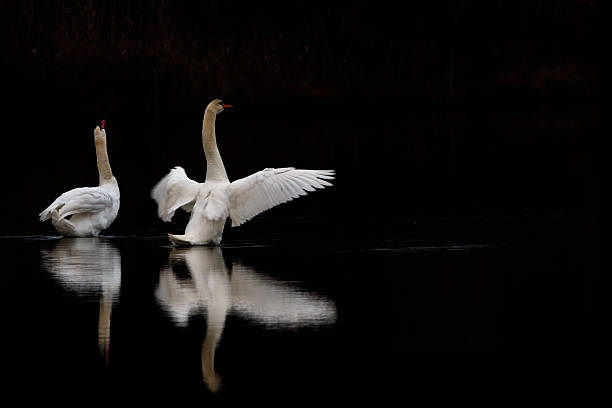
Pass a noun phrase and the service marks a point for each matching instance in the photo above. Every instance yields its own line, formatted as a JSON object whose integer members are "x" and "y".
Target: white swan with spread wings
{"x": 213, "y": 201}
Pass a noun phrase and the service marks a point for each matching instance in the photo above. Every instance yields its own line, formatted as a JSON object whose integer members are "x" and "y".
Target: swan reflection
{"x": 212, "y": 290}
{"x": 90, "y": 267}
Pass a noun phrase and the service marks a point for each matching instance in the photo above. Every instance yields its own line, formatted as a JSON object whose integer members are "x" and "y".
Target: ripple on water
{"x": 30, "y": 237}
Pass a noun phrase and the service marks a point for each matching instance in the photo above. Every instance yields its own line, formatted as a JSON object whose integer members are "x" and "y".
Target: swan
{"x": 90, "y": 209}
{"x": 216, "y": 291}
{"x": 213, "y": 201}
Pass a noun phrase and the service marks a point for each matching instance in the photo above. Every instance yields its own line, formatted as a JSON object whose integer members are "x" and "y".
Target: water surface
{"x": 98, "y": 319}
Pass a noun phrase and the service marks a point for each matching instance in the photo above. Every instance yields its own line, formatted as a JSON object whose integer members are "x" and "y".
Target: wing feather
{"x": 174, "y": 191}
{"x": 77, "y": 201}
{"x": 265, "y": 189}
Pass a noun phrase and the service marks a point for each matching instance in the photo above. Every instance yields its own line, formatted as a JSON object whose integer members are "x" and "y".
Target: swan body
{"x": 213, "y": 201}
{"x": 86, "y": 211}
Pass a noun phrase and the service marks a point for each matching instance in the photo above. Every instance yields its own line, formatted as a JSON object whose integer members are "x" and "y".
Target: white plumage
{"x": 78, "y": 200}
{"x": 86, "y": 211}
{"x": 174, "y": 191}
{"x": 213, "y": 201}
{"x": 265, "y": 189}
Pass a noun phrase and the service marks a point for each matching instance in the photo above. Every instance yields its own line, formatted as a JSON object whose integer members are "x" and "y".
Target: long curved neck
{"x": 104, "y": 169}
{"x": 214, "y": 165}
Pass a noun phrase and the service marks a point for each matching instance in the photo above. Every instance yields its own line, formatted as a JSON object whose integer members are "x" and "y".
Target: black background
{"x": 446, "y": 122}
{"x": 437, "y": 109}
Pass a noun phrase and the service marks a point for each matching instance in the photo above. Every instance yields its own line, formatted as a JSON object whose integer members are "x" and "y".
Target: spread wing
{"x": 174, "y": 191}
{"x": 78, "y": 200}
{"x": 265, "y": 189}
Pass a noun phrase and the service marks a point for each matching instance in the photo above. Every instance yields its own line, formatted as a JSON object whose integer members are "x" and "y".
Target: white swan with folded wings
{"x": 87, "y": 211}
{"x": 213, "y": 201}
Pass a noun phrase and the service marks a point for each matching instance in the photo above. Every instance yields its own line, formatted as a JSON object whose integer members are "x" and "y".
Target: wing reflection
{"x": 88, "y": 267}
{"x": 210, "y": 289}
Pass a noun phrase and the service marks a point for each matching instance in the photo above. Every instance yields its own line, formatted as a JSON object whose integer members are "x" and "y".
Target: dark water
{"x": 449, "y": 310}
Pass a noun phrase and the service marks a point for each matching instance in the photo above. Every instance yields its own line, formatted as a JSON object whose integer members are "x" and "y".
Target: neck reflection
{"x": 88, "y": 267}
{"x": 210, "y": 289}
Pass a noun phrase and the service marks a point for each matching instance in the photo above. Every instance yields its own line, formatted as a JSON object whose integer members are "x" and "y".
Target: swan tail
{"x": 45, "y": 215}
{"x": 48, "y": 212}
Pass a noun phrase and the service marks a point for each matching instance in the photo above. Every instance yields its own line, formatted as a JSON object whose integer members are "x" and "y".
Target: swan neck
{"x": 214, "y": 165}
{"x": 104, "y": 169}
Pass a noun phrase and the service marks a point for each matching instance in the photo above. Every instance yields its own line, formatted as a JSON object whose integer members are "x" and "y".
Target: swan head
{"x": 100, "y": 132}
{"x": 217, "y": 106}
